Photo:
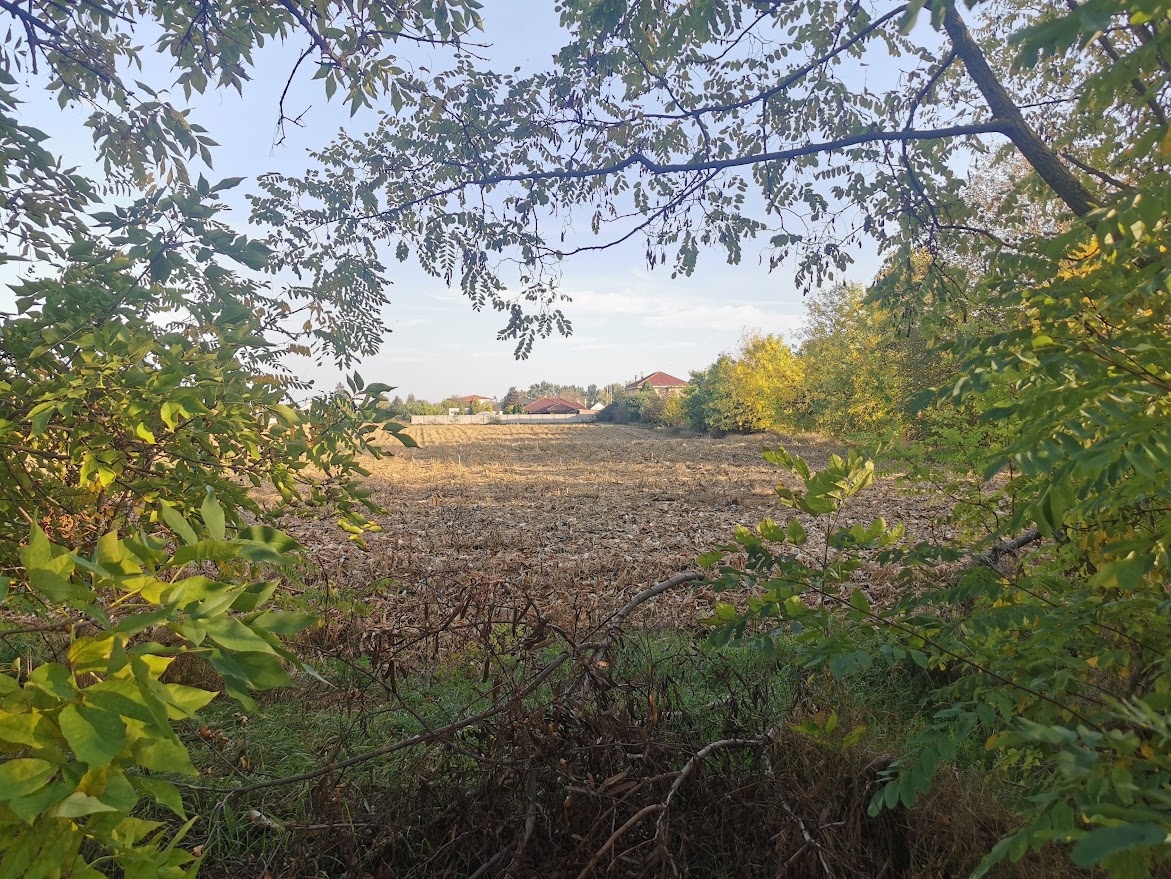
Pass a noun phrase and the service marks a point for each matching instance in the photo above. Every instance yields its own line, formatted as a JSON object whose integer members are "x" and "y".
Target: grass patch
{"x": 538, "y": 789}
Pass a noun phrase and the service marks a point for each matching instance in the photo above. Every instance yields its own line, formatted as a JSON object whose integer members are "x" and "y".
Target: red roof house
{"x": 659, "y": 382}
{"x": 554, "y": 406}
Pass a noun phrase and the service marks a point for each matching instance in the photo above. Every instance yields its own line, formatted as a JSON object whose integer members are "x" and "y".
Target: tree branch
{"x": 640, "y": 160}
{"x": 1046, "y": 163}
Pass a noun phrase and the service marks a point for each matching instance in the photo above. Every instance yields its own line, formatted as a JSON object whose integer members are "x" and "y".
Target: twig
{"x": 487, "y": 865}
{"x": 617, "y": 834}
{"x": 991, "y": 558}
{"x": 689, "y": 768}
{"x": 805, "y": 834}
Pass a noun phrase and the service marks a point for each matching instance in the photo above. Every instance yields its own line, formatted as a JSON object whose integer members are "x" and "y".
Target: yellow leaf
{"x": 1165, "y": 143}
{"x": 1092, "y": 662}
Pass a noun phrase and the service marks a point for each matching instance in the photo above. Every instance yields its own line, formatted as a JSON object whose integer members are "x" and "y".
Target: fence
{"x": 493, "y": 418}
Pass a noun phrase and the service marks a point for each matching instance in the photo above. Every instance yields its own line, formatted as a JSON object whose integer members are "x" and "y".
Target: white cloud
{"x": 679, "y": 313}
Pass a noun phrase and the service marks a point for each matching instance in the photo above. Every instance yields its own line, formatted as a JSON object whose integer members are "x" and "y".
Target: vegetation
{"x": 149, "y": 435}
{"x": 144, "y": 405}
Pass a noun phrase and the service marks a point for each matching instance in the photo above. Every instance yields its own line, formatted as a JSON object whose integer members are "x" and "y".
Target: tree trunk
{"x": 1038, "y": 154}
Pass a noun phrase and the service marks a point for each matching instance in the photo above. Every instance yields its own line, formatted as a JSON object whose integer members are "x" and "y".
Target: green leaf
{"x": 287, "y": 414}
{"x": 795, "y": 531}
{"x": 54, "y": 679}
{"x": 284, "y": 622}
{"x": 178, "y": 524}
{"x": 96, "y": 736}
{"x": 23, "y": 775}
{"x": 39, "y": 417}
{"x": 163, "y": 792}
{"x": 213, "y": 515}
{"x": 77, "y": 805}
{"x": 206, "y": 551}
{"x": 1106, "y": 841}
{"x": 270, "y": 537}
{"x": 232, "y": 634}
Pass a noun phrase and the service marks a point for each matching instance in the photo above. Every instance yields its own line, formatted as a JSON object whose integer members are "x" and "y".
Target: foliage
{"x": 854, "y": 367}
{"x": 145, "y": 397}
{"x": 710, "y": 402}
{"x": 1065, "y": 677}
{"x": 573, "y": 393}
{"x": 767, "y": 379}
{"x": 86, "y": 736}
{"x": 103, "y": 415}
{"x": 758, "y": 389}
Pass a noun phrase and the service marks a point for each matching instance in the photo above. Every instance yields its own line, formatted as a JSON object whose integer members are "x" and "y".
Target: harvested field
{"x": 561, "y": 521}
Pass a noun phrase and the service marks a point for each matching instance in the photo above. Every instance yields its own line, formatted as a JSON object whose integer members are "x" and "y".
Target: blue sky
{"x": 627, "y": 321}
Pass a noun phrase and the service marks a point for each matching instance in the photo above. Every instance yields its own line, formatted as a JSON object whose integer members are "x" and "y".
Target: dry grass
{"x": 570, "y": 517}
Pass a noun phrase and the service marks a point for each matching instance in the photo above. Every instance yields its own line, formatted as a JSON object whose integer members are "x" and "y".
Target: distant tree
{"x": 711, "y": 403}
{"x": 855, "y": 365}
{"x": 514, "y": 402}
{"x": 573, "y": 393}
{"x": 591, "y": 395}
{"x": 758, "y": 389}
{"x": 767, "y": 382}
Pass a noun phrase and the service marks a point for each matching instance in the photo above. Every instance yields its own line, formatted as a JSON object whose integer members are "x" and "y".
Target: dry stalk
{"x": 617, "y": 835}
{"x": 806, "y": 836}
{"x": 688, "y": 769}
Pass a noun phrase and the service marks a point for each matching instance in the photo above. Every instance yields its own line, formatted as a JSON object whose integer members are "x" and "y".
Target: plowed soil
{"x": 563, "y": 521}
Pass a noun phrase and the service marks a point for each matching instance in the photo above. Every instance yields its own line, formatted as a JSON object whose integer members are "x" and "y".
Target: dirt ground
{"x": 566, "y": 520}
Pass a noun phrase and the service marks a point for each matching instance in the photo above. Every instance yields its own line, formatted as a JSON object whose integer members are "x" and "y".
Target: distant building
{"x": 659, "y": 382}
{"x": 473, "y": 399}
{"x": 554, "y": 406}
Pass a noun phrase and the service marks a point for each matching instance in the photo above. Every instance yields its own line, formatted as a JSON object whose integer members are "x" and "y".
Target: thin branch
{"x": 663, "y": 168}
{"x": 790, "y": 80}
{"x": 1108, "y": 179}
{"x": 616, "y": 835}
{"x": 307, "y": 25}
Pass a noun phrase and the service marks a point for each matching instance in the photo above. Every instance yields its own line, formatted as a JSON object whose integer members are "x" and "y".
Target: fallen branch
{"x": 496, "y": 708}
{"x": 598, "y": 649}
{"x": 688, "y": 769}
{"x": 991, "y": 558}
{"x": 613, "y": 625}
{"x": 617, "y": 835}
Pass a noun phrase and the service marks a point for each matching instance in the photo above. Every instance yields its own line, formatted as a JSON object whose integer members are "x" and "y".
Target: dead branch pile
{"x": 579, "y": 755}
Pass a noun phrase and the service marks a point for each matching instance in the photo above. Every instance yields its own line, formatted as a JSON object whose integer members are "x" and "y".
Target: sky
{"x": 627, "y": 321}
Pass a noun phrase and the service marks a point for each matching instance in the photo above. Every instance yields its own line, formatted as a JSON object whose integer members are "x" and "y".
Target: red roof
{"x": 658, "y": 380}
{"x": 552, "y": 406}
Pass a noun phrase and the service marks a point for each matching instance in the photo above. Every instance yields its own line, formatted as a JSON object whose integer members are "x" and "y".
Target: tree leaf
{"x": 23, "y": 775}
{"x": 1103, "y": 842}
{"x": 95, "y": 735}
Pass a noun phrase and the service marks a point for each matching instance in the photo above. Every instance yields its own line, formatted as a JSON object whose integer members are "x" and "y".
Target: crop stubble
{"x": 496, "y": 522}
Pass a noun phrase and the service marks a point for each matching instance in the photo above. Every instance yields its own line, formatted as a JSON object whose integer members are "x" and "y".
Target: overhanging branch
{"x": 663, "y": 168}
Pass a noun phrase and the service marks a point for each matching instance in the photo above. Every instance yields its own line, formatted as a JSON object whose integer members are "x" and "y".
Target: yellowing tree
{"x": 852, "y": 366}
{"x": 767, "y": 381}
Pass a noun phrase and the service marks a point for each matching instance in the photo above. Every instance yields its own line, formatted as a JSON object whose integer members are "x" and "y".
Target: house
{"x": 554, "y": 406}
{"x": 659, "y": 382}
